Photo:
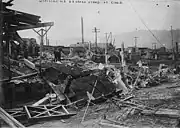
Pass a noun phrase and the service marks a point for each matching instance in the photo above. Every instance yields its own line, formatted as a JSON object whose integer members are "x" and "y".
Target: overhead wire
{"x": 143, "y": 22}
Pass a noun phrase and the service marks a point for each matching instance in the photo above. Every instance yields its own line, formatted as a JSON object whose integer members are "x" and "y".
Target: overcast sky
{"x": 107, "y": 17}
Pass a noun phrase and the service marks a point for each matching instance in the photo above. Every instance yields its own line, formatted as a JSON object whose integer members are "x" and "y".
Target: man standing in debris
{"x": 55, "y": 55}
{"x": 59, "y": 54}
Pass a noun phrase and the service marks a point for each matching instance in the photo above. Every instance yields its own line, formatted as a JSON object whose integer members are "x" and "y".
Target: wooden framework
{"x": 18, "y": 20}
{"x": 14, "y": 21}
{"x": 36, "y": 113}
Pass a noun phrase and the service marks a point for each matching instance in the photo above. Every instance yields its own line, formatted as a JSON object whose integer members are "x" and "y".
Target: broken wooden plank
{"x": 9, "y": 119}
{"x": 57, "y": 90}
{"x": 65, "y": 109}
{"x": 14, "y": 70}
{"x": 24, "y": 14}
{"x": 173, "y": 113}
{"x": 73, "y": 103}
{"x": 20, "y": 77}
{"x": 29, "y": 64}
{"x": 27, "y": 112}
{"x": 112, "y": 125}
{"x": 113, "y": 121}
{"x": 41, "y": 101}
{"x": 16, "y": 113}
{"x": 125, "y": 99}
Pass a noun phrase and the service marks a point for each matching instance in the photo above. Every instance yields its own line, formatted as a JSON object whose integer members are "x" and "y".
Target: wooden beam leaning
{"x": 9, "y": 119}
{"x": 20, "y": 77}
{"x": 57, "y": 90}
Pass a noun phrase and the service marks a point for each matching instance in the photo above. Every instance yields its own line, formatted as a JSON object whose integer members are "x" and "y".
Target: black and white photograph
{"x": 90, "y": 63}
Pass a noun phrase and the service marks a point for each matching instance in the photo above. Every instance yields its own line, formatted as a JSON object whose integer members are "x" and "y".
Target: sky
{"x": 115, "y": 18}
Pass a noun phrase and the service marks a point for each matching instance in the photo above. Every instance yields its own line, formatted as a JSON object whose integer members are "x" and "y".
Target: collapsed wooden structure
{"x": 12, "y": 22}
{"x": 35, "y": 113}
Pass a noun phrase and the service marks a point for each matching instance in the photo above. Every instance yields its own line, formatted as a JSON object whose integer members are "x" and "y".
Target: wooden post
{"x": 106, "y": 59}
{"x": 90, "y": 46}
{"x": 177, "y": 50}
{"x": 95, "y": 30}
{"x": 173, "y": 53}
{"x": 1, "y": 54}
{"x": 82, "y": 29}
{"x": 41, "y": 50}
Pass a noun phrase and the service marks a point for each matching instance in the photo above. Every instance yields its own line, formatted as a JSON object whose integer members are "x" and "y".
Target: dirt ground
{"x": 163, "y": 96}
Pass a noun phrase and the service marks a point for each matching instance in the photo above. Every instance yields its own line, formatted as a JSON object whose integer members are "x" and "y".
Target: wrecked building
{"x": 80, "y": 87}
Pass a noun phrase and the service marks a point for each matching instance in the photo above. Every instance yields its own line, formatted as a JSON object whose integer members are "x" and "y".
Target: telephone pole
{"x": 42, "y": 32}
{"x": 95, "y": 30}
{"x": 177, "y": 50}
{"x": 82, "y": 29}
{"x": 172, "y": 44}
{"x": 46, "y": 37}
{"x": 106, "y": 59}
{"x": 135, "y": 43}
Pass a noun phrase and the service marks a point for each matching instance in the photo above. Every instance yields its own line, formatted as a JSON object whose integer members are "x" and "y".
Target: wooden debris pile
{"x": 144, "y": 77}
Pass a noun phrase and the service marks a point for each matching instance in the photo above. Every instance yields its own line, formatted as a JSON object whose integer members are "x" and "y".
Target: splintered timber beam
{"x": 30, "y": 64}
{"x": 172, "y": 113}
{"x": 112, "y": 125}
{"x": 30, "y": 18}
{"x": 18, "y": 19}
{"x": 10, "y": 120}
{"x": 57, "y": 90}
{"x": 16, "y": 113}
{"x": 20, "y": 77}
{"x": 27, "y": 21}
{"x": 23, "y": 13}
{"x": 38, "y": 25}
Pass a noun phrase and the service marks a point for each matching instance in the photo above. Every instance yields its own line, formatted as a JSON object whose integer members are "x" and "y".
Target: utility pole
{"x": 46, "y": 37}
{"x": 95, "y": 30}
{"x": 110, "y": 37}
{"x": 106, "y": 59}
{"x": 177, "y": 50}
{"x": 123, "y": 63}
{"x": 1, "y": 53}
{"x": 89, "y": 46}
{"x": 135, "y": 43}
{"x": 42, "y": 32}
{"x": 48, "y": 41}
{"x": 82, "y": 29}
{"x": 172, "y": 44}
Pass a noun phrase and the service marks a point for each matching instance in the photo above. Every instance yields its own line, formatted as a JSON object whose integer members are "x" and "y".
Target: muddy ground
{"x": 162, "y": 96}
